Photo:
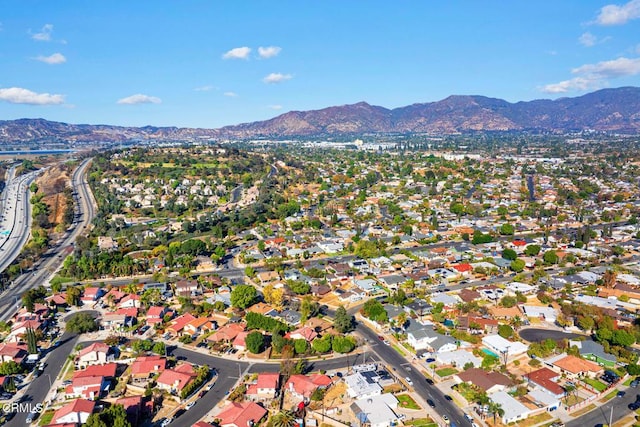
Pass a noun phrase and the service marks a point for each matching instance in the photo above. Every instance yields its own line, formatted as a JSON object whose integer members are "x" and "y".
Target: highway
{"x": 53, "y": 258}
{"x": 15, "y": 222}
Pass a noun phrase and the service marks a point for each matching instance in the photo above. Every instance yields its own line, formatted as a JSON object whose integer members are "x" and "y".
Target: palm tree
{"x": 283, "y": 419}
{"x": 516, "y": 322}
{"x": 495, "y": 409}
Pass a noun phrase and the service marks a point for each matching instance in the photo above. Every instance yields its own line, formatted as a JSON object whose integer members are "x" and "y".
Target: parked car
{"x": 189, "y": 405}
{"x": 408, "y": 380}
{"x": 621, "y": 393}
{"x": 446, "y": 419}
{"x": 446, "y": 396}
{"x": 634, "y": 383}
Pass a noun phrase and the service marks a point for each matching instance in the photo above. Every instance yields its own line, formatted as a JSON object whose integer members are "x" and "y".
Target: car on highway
{"x": 430, "y": 403}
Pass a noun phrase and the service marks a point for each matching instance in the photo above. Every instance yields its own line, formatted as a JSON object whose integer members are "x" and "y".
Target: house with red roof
{"x": 108, "y": 371}
{"x": 146, "y": 366}
{"x": 265, "y": 387}
{"x": 198, "y": 326}
{"x": 302, "y": 386}
{"x": 13, "y": 352}
{"x": 86, "y": 387}
{"x": 175, "y": 380}
{"x": 239, "y": 341}
{"x": 241, "y": 414}
{"x": 155, "y": 315}
{"x": 130, "y": 301}
{"x": 90, "y": 295}
{"x": 20, "y": 328}
{"x": 57, "y": 300}
{"x": 546, "y": 380}
{"x": 304, "y": 333}
{"x": 465, "y": 269}
{"x": 177, "y": 325}
{"x": 75, "y": 412}
{"x": 227, "y": 333}
{"x": 97, "y": 353}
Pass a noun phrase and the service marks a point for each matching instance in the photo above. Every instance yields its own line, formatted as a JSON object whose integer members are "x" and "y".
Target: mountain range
{"x": 608, "y": 110}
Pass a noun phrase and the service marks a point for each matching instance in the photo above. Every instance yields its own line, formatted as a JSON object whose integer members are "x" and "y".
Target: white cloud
{"x": 139, "y": 99}
{"x": 205, "y": 88}
{"x": 277, "y": 78}
{"x": 230, "y": 94}
{"x": 587, "y": 39}
{"x": 237, "y": 53}
{"x": 269, "y": 52}
{"x": 18, "y": 95}
{"x": 613, "y": 14}
{"x": 593, "y": 76}
{"x": 44, "y": 35}
{"x": 275, "y": 107}
{"x": 56, "y": 58}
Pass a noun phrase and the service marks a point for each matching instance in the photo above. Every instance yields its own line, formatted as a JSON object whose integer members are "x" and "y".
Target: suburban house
{"x": 513, "y": 409}
{"x": 74, "y": 413}
{"x": 146, "y": 366}
{"x": 377, "y": 411}
{"x": 87, "y": 387}
{"x": 177, "y": 325}
{"x": 304, "y": 333}
{"x": 198, "y": 326}
{"x": 227, "y": 333}
{"x": 155, "y": 315}
{"x": 242, "y": 414}
{"x": 108, "y": 371}
{"x": 546, "y": 379}
{"x": 424, "y": 337}
{"x": 175, "y": 380}
{"x": 361, "y": 387}
{"x": 573, "y": 367}
{"x": 13, "y": 352}
{"x": 97, "y": 353}
{"x": 490, "y": 382}
{"x": 302, "y": 386}
{"x": 502, "y": 346}
{"x": 265, "y": 387}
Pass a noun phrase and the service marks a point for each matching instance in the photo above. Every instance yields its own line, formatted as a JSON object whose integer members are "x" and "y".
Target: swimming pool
{"x": 489, "y": 352}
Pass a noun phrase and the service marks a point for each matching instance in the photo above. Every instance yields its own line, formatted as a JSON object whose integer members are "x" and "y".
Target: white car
{"x": 190, "y": 405}
{"x": 408, "y": 380}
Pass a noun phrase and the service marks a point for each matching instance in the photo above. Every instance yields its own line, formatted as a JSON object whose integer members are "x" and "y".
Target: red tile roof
{"x": 77, "y": 406}
{"x": 94, "y": 347}
{"x": 241, "y": 414}
{"x": 108, "y": 371}
{"x": 143, "y": 366}
{"x": 544, "y": 378}
{"x": 306, "y": 384}
{"x": 174, "y": 379}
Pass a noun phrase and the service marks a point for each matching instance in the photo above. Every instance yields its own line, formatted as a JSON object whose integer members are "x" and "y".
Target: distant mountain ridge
{"x": 611, "y": 110}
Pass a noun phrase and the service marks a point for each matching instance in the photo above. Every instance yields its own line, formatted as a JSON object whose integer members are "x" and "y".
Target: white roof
{"x": 544, "y": 397}
{"x": 502, "y": 345}
{"x": 459, "y": 357}
{"x": 520, "y": 287}
{"x": 550, "y": 314}
{"x": 379, "y": 408}
{"x": 512, "y": 408}
{"x": 359, "y": 386}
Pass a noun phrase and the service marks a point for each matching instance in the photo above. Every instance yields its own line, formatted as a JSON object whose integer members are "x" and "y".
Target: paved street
{"x": 601, "y": 414}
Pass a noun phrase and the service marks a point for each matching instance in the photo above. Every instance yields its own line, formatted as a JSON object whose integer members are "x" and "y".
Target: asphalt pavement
{"x": 601, "y": 414}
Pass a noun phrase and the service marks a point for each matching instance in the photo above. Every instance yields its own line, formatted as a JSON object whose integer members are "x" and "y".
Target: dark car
{"x": 429, "y": 381}
{"x": 634, "y": 406}
{"x": 430, "y": 403}
{"x": 446, "y": 396}
{"x": 202, "y": 393}
{"x": 179, "y": 412}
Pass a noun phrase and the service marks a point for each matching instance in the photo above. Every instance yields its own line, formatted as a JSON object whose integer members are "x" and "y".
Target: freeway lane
{"x": 16, "y": 217}
{"x": 52, "y": 260}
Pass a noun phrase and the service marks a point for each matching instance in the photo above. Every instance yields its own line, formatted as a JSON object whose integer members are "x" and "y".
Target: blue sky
{"x": 214, "y": 63}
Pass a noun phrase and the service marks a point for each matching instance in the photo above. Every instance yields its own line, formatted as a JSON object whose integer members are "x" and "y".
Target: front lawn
{"x": 599, "y": 386}
{"x": 421, "y": 422}
{"x": 445, "y": 372}
{"x": 45, "y": 419}
{"x": 407, "y": 402}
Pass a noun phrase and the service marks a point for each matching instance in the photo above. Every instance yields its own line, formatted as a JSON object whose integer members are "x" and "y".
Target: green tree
{"x": 283, "y": 419}
{"x": 507, "y": 229}
{"x": 505, "y": 331}
{"x": 517, "y": 265}
{"x": 508, "y": 301}
{"x": 243, "y": 296}
{"x": 300, "y": 346}
{"x": 496, "y": 410}
{"x": 374, "y": 310}
{"x": 73, "y": 296}
{"x": 509, "y": 254}
{"x": 532, "y": 250}
{"x": 342, "y": 344}
{"x": 322, "y": 345}
{"x": 550, "y": 257}
{"x": 114, "y": 416}
{"x": 254, "y": 342}
{"x": 81, "y": 323}
{"x": 10, "y": 368}
{"x": 343, "y": 322}
{"x": 32, "y": 341}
